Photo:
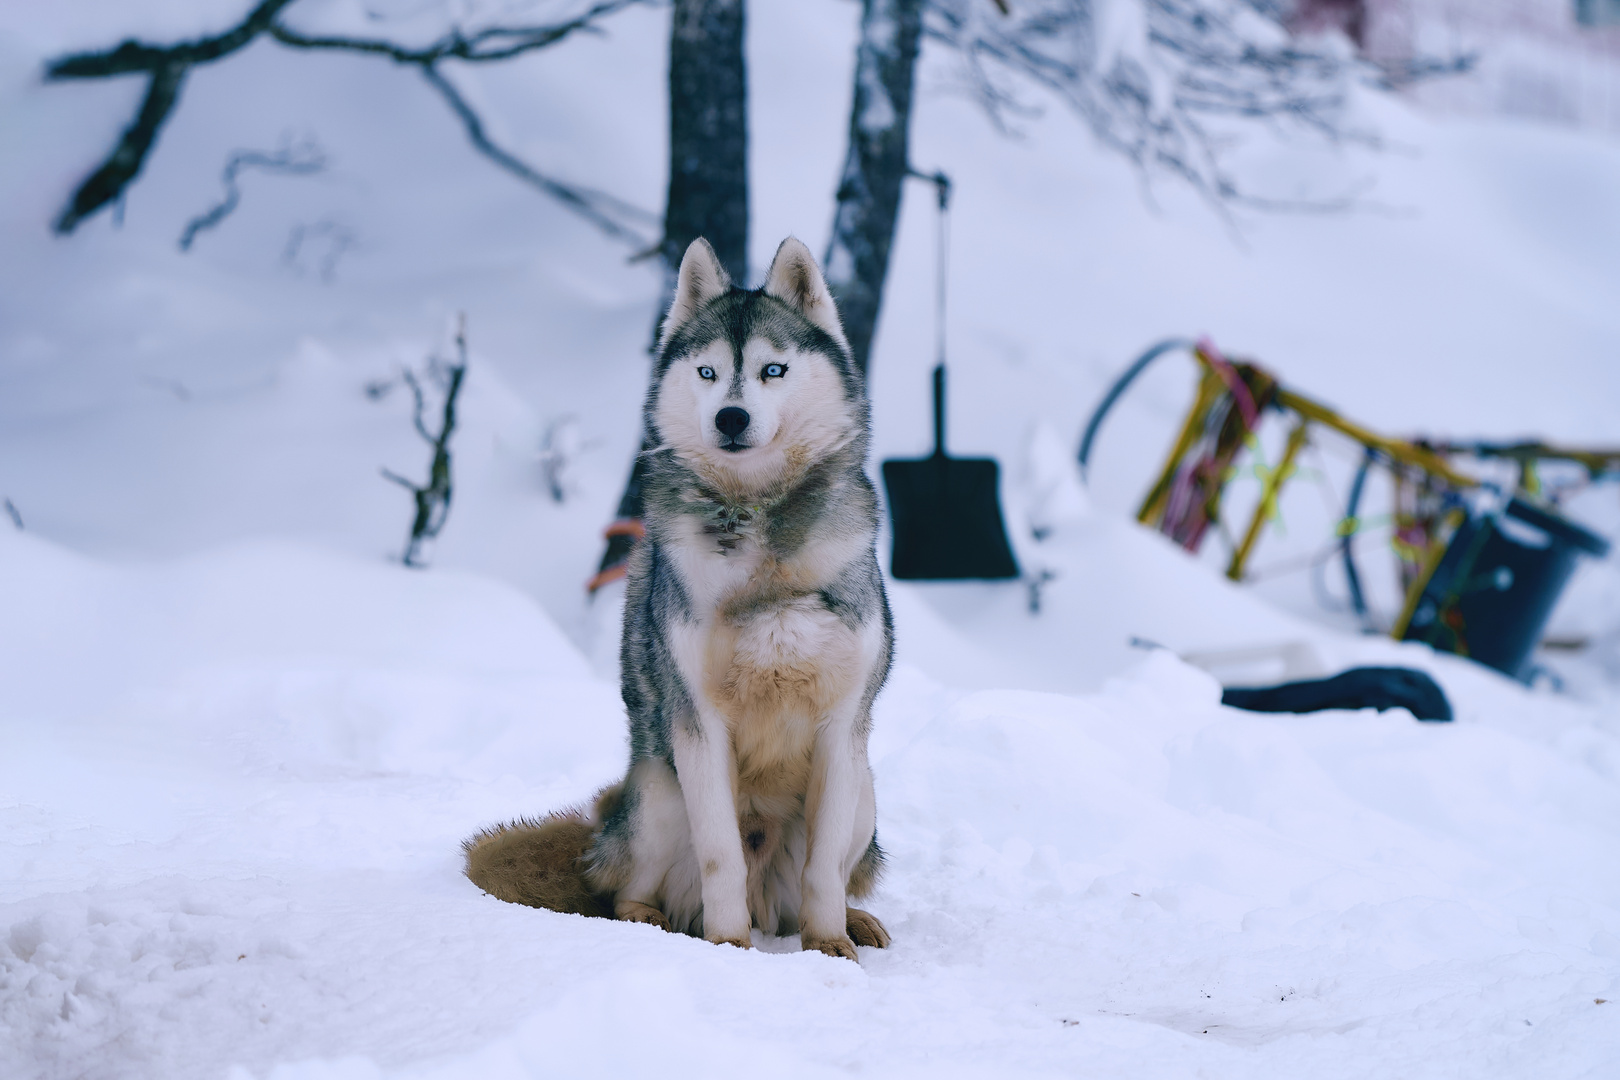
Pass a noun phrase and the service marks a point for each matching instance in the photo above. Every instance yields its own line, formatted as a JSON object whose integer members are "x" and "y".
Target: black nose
{"x": 731, "y": 421}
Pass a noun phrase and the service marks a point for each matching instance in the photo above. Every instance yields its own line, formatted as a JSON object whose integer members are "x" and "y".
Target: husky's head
{"x": 754, "y": 386}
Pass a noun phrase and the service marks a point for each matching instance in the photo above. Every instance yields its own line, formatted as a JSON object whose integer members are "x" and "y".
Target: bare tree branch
{"x": 300, "y": 159}
{"x": 391, "y": 475}
{"x": 593, "y": 206}
{"x": 110, "y": 179}
{"x": 339, "y": 240}
{"x": 432, "y": 499}
{"x": 491, "y": 43}
{"x": 166, "y": 67}
{"x": 1164, "y": 102}
{"x": 132, "y": 56}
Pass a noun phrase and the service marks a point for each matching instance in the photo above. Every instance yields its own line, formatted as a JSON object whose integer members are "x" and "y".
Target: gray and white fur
{"x": 756, "y": 636}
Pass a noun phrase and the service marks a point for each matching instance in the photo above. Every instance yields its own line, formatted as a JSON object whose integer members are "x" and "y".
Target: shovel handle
{"x": 939, "y": 410}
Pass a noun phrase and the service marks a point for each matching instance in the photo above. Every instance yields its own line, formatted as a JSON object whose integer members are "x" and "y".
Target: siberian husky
{"x": 756, "y": 635}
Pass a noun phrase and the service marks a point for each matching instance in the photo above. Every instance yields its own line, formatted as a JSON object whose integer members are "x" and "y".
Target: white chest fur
{"x": 764, "y": 652}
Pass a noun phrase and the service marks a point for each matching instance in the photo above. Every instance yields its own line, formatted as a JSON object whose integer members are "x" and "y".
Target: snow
{"x": 243, "y": 746}
{"x": 248, "y": 855}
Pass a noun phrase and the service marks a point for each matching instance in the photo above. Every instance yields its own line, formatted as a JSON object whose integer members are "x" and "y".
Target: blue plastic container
{"x": 1495, "y": 587}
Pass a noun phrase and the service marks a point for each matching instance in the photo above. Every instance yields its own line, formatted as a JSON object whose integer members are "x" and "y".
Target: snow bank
{"x": 235, "y": 793}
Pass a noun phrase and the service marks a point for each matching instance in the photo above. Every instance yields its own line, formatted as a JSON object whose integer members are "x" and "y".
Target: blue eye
{"x": 775, "y": 371}
{"x": 706, "y": 372}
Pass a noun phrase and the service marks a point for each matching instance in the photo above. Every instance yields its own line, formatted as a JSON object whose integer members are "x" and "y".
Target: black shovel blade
{"x": 946, "y": 514}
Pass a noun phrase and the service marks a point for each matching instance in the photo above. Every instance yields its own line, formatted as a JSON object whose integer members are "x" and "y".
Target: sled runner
{"x": 1480, "y": 568}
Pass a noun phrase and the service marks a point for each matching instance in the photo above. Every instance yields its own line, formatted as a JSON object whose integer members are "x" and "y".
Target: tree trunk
{"x": 708, "y": 135}
{"x": 874, "y": 168}
{"x": 708, "y": 186}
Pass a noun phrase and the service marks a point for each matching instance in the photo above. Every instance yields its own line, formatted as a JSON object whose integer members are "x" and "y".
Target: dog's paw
{"x": 632, "y": 911}
{"x": 741, "y": 943}
{"x": 838, "y": 946}
{"x": 864, "y": 928}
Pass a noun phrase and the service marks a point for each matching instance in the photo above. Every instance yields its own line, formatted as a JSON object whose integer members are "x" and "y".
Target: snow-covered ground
{"x": 242, "y": 746}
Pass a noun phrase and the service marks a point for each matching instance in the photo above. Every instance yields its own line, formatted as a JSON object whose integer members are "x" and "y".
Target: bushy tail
{"x": 540, "y": 862}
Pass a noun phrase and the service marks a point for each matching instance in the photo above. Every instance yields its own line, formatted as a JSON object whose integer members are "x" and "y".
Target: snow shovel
{"x": 945, "y": 511}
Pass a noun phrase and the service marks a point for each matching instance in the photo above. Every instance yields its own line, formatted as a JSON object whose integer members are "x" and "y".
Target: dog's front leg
{"x": 703, "y": 763}
{"x": 834, "y": 812}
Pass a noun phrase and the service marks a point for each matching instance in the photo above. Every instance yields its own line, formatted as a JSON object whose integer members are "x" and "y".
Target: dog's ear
{"x": 795, "y": 279}
{"x": 701, "y": 279}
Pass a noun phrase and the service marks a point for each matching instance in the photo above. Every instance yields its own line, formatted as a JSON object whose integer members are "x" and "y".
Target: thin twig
{"x": 300, "y": 160}
{"x": 416, "y": 395}
{"x": 389, "y": 474}
{"x": 433, "y": 498}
